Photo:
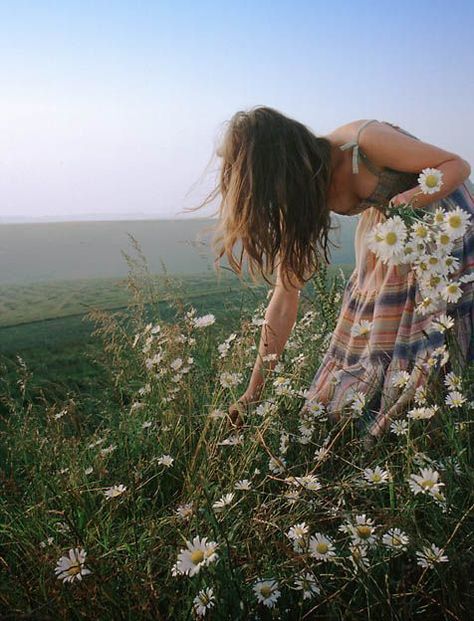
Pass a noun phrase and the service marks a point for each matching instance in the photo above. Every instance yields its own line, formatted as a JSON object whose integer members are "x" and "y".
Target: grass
{"x": 150, "y": 407}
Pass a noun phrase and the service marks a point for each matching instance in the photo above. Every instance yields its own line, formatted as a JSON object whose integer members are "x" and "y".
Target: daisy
{"x": 308, "y": 584}
{"x": 429, "y": 555}
{"x": 452, "y": 292}
{"x": 363, "y": 531}
{"x": 232, "y": 440}
{"x": 444, "y": 322}
{"x": 455, "y": 223}
{"x": 401, "y": 379}
{"x": 203, "y": 322}
{"x": 70, "y": 568}
{"x": 451, "y": 264}
{"x": 376, "y": 476}
{"x": 362, "y": 328}
{"x": 267, "y": 592}
{"x": 298, "y": 535}
{"x": 420, "y": 395}
{"x": 444, "y": 242}
{"x": 426, "y": 482}
{"x": 395, "y": 539}
{"x": 452, "y": 381}
{"x": 165, "y": 460}
{"x": 420, "y": 232}
{"x": 203, "y": 601}
{"x": 185, "y": 511}
{"x": 321, "y": 547}
{"x": 89, "y": 470}
{"x": 228, "y": 380}
{"x": 422, "y": 413}
{"x": 243, "y": 485}
{"x": 277, "y": 466}
{"x": 309, "y": 481}
{"x": 388, "y": 239}
{"x": 399, "y": 427}
{"x": 430, "y": 180}
{"x": 358, "y": 556}
{"x": 115, "y": 490}
{"x": 427, "y": 305}
{"x": 223, "y": 502}
{"x": 455, "y": 399}
{"x": 196, "y": 555}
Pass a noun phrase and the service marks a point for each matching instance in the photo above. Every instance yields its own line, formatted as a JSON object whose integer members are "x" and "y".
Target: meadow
{"x": 141, "y": 501}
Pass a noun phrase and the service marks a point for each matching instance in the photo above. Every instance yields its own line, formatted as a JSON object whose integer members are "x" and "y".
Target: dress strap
{"x": 355, "y": 145}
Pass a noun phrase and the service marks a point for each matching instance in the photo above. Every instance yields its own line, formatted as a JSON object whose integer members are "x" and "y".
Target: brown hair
{"x": 273, "y": 184}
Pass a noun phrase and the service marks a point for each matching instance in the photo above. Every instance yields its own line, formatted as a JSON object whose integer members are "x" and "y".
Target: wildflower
{"x": 308, "y": 584}
{"x": 267, "y": 592}
{"x": 387, "y": 239}
{"x": 165, "y": 460}
{"x": 455, "y": 223}
{"x": 309, "y": 481}
{"x": 229, "y": 380}
{"x": 185, "y": 511}
{"x": 321, "y": 547}
{"x": 376, "y": 476}
{"x": 147, "y": 424}
{"x": 452, "y": 381}
{"x": 362, "y": 531}
{"x": 203, "y": 601}
{"x": 232, "y": 440}
{"x": 452, "y": 292}
{"x": 395, "y": 539}
{"x": 115, "y": 490}
{"x": 108, "y": 449}
{"x": 298, "y": 534}
{"x": 430, "y": 180}
{"x": 425, "y": 482}
{"x": 362, "y": 328}
{"x": 70, "y": 568}
{"x": 223, "y": 502}
{"x": 401, "y": 379}
{"x": 399, "y": 427}
{"x": 422, "y": 412}
{"x": 197, "y": 554}
{"x": 455, "y": 399}
{"x": 243, "y": 485}
{"x": 429, "y": 555}
{"x": 277, "y": 466}
{"x": 444, "y": 322}
{"x": 358, "y": 556}
{"x": 203, "y": 322}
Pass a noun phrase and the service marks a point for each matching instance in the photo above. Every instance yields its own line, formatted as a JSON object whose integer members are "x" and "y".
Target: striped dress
{"x": 400, "y": 339}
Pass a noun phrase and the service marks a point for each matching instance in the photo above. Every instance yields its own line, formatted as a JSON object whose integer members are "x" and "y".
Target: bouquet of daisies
{"x": 425, "y": 240}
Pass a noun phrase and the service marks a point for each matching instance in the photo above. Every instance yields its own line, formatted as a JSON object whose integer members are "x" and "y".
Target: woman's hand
{"x": 238, "y": 409}
{"x": 400, "y": 199}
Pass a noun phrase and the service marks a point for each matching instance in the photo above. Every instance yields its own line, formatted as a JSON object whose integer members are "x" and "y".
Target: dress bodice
{"x": 391, "y": 182}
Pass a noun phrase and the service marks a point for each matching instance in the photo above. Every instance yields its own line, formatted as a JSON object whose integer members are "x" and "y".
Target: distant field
{"x": 55, "y": 270}
{"x": 60, "y": 251}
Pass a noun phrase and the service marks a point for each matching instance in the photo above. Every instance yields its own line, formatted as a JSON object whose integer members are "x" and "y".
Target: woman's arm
{"x": 280, "y": 317}
{"x": 387, "y": 146}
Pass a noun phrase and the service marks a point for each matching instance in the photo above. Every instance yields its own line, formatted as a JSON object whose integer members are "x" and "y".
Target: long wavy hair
{"x": 273, "y": 183}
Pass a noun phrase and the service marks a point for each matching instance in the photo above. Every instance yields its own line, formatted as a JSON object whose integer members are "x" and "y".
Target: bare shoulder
{"x": 348, "y": 131}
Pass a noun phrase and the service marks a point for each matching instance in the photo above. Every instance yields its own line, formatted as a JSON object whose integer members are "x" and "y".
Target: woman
{"x": 279, "y": 182}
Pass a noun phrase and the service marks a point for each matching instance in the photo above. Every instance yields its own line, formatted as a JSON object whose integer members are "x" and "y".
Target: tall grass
{"x": 169, "y": 385}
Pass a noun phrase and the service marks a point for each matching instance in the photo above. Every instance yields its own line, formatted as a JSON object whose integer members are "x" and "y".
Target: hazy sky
{"x": 113, "y": 107}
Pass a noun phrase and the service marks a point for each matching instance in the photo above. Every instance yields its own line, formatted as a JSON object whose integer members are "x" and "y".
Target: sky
{"x": 113, "y": 108}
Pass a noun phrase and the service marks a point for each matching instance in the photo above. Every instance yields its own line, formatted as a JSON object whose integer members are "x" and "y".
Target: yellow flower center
{"x": 435, "y": 280}
{"x": 427, "y": 484}
{"x": 265, "y": 591}
{"x": 396, "y": 541}
{"x": 197, "y": 557}
{"x": 364, "y": 532}
{"x": 74, "y": 569}
{"x": 422, "y": 231}
{"x": 391, "y": 238}
{"x": 433, "y": 260}
{"x": 454, "y": 221}
{"x": 431, "y": 181}
{"x": 444, "y": 239}
{"x": 452, "y": 288}
{"x": 322, "y": 548}
{"x": 376, "y": 478}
